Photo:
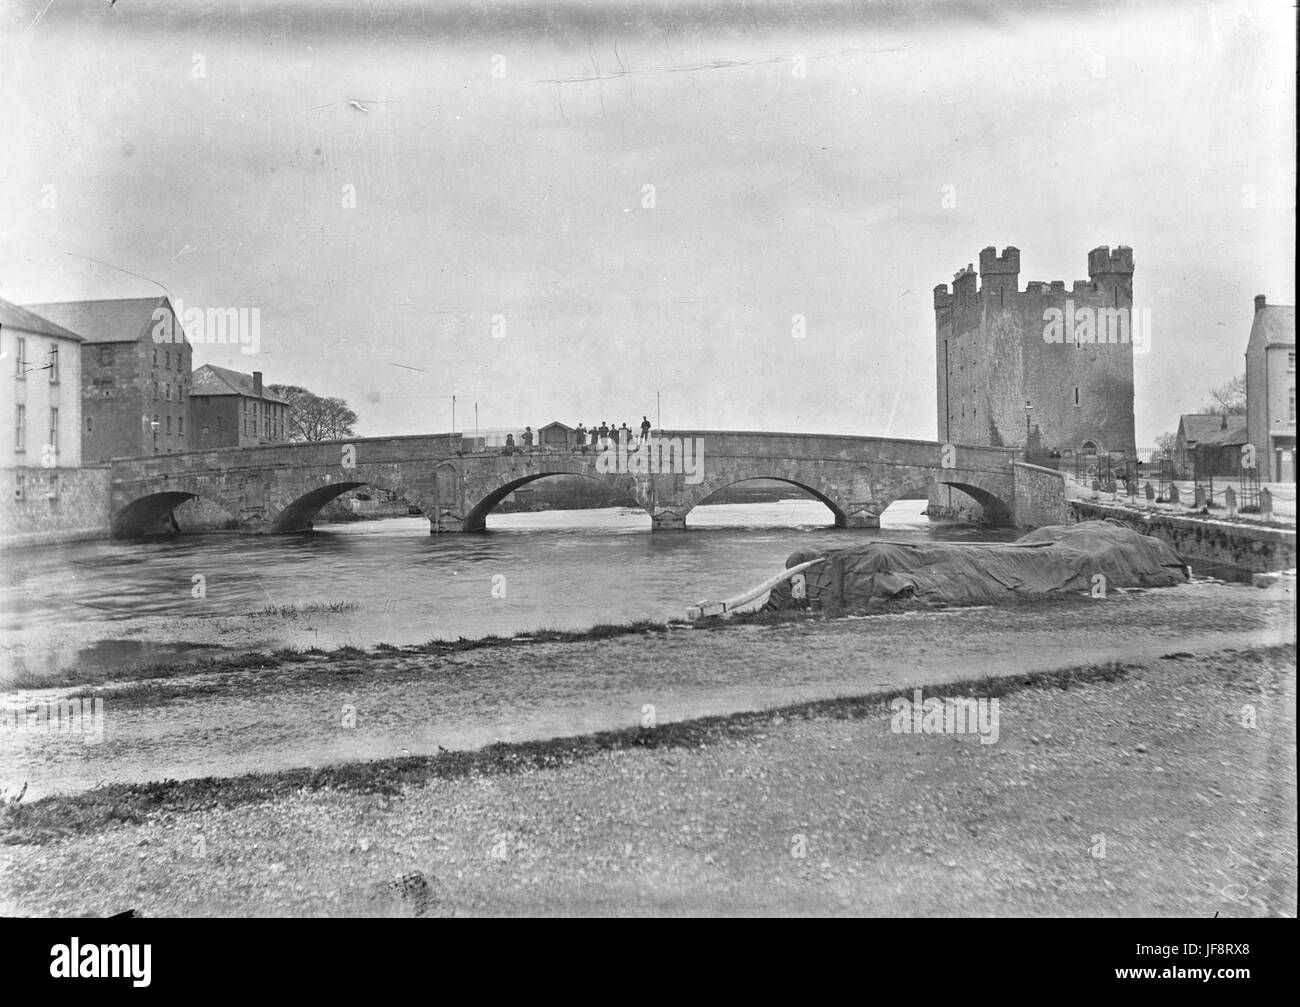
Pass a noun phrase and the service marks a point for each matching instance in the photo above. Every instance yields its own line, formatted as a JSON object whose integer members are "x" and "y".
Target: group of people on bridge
{"x": 595, "y": 438}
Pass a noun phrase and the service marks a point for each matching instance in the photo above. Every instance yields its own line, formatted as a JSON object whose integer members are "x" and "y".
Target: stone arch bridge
{"x": 280, "y": 487}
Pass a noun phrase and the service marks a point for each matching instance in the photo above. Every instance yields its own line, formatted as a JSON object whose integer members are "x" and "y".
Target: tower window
{"x": 1076, "y": 395}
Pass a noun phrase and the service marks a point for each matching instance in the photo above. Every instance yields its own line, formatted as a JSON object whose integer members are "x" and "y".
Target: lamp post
{"x": 1028, "y": 407}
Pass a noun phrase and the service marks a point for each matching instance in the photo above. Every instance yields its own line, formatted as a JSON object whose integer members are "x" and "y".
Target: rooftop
{"x": 28, "y": 321}
{"x": 123, "y": 320}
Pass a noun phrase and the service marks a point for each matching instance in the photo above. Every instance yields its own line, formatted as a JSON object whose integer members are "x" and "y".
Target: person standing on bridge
{"x": 645, "y": 429}
{"x": 580, "y": 438}
{"x": 604, "y": 435}
{"x": 528, "y": 438}
{"x": 625, "y": 434}
{"x": 593, "y": 436}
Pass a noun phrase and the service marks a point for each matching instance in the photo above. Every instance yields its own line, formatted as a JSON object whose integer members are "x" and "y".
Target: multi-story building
{"x": 135, "y": 375}
{"x": 230, "y": 409}
{"x": 1270, "y": 389}
{"x": 42, "y": 417}
{"x": 1044, "y": 368}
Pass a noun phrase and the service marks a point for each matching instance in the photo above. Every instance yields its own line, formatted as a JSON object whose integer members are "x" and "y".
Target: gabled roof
{"x": 121, "y": 320}
{"x": 213, "y": 380}
{"x": 14, "y": 317}
{"x": 557, "y": 423}
{"x": 1274, "y": 325}
{"x": 1196, "y": 426}
{"x": 1223, "y": 438}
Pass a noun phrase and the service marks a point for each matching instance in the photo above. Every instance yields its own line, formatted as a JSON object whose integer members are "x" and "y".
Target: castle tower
{"x": 1034, "y": 368}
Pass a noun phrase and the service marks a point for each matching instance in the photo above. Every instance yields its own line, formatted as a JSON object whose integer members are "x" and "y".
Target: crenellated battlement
{"x": 1102, "y": 261}
{"x": 999, "y": 271}
{"x": 942, "y": 299}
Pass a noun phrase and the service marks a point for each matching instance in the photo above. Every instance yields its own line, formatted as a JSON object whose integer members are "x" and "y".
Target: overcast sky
{"x": 499, "y": 168}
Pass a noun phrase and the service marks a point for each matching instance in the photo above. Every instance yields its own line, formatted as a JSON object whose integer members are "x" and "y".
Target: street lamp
{"x": 1028, "y": 407}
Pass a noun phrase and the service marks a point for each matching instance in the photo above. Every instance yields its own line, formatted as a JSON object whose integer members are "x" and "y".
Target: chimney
{"x": 1259, "y": 302}
{"x": 257, "y": 383}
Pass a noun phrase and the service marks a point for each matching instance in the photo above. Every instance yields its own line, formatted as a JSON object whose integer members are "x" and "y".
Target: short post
{"x": 1265, "y": 502}
{"x": 1198, "y": 501}
{"x": 1150, "y": 493}
{"x": 835, "y": 605}
{"x": 1230, "y": 501}
{"x": 1174, "y": 495}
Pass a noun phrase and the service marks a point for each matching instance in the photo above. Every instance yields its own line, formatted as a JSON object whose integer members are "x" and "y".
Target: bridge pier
{"x": 442, "y": 523}
{"x": 862, "y": 515}
{"x": 668, "y": 520}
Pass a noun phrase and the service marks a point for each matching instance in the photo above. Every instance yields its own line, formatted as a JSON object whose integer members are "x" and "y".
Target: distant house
{"x": 1191, "y": 428}
{"x": 231, "y": 409}
{"x": 1270, "y": 389}
{"x": 556, "y": 436}
{"x": 1219, "y": 453}
{"x": 134, "y": 382}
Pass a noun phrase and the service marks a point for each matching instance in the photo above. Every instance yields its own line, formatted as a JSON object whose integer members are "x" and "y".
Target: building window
{"x": 180, "y": 424}
{"x": 167, "y": 360}
{"x": 54, "y": 486}
{"x": 90, "y": 425}
{"x": 20, "y": 428}
{"x": 167, "y": 392}
{"x": 54, "y": 365}
{"x": 20, "y": 362}
{"x": 203, "y": 431}
{"x": 1076, "y": 395}
{"x": 105, "y": 356}
{"x": 54, "y": 431}
{"x": 169, "y": 426}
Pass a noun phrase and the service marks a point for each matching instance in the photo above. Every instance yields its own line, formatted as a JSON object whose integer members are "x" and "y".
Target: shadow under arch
{"x": 840, "y": 517}
{"x": 476, "y": 519}
{"x": 149, "y": 515}
{"x": 996, "y": 510}
{"x": 297, "y": 516}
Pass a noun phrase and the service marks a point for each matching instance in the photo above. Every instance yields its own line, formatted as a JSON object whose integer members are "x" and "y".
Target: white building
{"x": 40, "y": 415}
{"x": 1270, "y": 389}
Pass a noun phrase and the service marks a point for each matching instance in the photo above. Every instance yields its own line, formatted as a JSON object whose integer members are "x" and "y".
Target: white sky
{"x": 1060, "y": 129}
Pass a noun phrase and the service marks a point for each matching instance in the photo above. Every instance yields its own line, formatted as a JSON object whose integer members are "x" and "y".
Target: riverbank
{"x": 1112, "y": 790}
{"x": 288, "y": 709}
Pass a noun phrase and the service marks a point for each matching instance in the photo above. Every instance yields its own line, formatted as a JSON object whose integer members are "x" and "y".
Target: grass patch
{"x": 299, "y": 609}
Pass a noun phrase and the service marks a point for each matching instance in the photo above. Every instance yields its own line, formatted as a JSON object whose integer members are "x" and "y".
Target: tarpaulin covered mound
{"x": 1061, "y": 559}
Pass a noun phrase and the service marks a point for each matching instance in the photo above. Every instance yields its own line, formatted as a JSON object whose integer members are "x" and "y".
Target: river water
{"x": 115, "y": 604}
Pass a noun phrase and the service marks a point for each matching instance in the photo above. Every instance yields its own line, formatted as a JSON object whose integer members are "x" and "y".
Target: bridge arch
{"x": 991, "y": 498}
{"x": 714, "y": 487}
{"x": 476, "y": 517}
{"x": 152, "y": 514}
{"x": 297, "y": 515}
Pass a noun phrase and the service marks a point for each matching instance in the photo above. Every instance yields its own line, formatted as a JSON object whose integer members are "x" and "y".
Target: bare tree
{"x": 1166, "y": 446}
{"x": 1229, "y": 399}
{"x": 315, "y": 418}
